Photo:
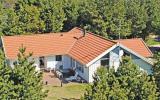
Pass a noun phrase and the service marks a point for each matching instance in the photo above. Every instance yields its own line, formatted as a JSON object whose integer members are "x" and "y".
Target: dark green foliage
{"x": 156, "y": 70}
{"x": 156, "y": 13}
{"x": 52, "y": 14}
{"x": 21, "y": 82}
{"x": 6, "y": 84}
{"x": 137, "y": 13}
{"x": 27, "y": 82}
{"x": 108, "y": 18}
{"x": 32, "y": 16}
{"x": 128, "y": 83}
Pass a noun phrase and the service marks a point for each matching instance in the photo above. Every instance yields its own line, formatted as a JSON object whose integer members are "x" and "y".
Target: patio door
{"x": 42, "y": 62}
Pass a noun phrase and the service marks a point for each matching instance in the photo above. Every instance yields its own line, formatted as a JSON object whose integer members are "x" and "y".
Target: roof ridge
{"x": 91, "y": 34}
{"x": 39, "y": 34}
{"x": 101, "y": 37}
{"x": 127, "y": 39}
{"x": 71, "y": 46}
{"x": 94, "y": 34}
{"x": 50, "y": 33}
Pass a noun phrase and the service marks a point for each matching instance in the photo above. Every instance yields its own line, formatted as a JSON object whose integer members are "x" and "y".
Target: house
{"x": 77, "y": 49}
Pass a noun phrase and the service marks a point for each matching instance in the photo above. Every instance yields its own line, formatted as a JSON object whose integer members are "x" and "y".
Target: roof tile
{"x": 137, "y": 45}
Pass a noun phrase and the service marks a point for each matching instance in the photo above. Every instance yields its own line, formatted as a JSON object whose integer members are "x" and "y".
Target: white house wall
{"x": 114, "y": 58}
{"x": 85, "y": 74}
{"x": 52, "y": 63}
{"x": 11, "y": 63}
{"x": 50, "y": 60}
{"x": 36, "y": 62}
{"x": 92, "y": 69}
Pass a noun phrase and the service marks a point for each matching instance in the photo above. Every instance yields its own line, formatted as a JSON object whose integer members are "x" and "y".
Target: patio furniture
{"x": 47, "y": 69}
{"x": 71, "y": 78}
{"x": 59, "y": 74}
{"x": 37, "y": 69}
{"x": 64, "y": 71}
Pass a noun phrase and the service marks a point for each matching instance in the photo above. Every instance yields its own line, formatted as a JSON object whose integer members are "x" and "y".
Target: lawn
{"x": 150, "y": 40}
{"x": 70, "y": 91}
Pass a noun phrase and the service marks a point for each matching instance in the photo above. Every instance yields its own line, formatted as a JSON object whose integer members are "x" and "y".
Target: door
{"x": 42, "y": 62}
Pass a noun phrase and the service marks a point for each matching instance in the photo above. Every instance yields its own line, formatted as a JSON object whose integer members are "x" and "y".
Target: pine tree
{"x": 118, "y": 22}
{"x": 105, "y": 86}
{"x": 156, "y": 70}
{"x": 52, "y": 14}
{"x": 156, "y": 13}
{"x": 137, "y": 13}
{"x": 70, "y": 8}
{"x": 6, "y": 84}
{"x": 27, "y": 82}
{"x": 136, "y": 82}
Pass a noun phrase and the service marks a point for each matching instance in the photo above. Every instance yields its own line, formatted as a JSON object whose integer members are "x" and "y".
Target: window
{"x": 104, "y": 62}
{"x": 126, "y": 54}
{"x": 80, "y": 67}
{"x": 58, "y": 57}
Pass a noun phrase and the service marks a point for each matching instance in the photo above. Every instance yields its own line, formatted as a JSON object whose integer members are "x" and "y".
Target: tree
{"x": 156, "y": 70}
{"x": 29, "y": 17}
{"x": 116, "y": 17}
{"x": 156, "y": 13}
{"x": 137, "y": 13}
{"x": 105, "y": 86}
{"x": 6, "y": 84}
{"x": 127, "y": 83}
{"x": 9, "y": 22}
{"x": 70, "y": 8}
{"x": 32, "y": 16}
{"x": 53, "y": 15}
{"x": 136, "y": 82}
{"x": 27, "y": 82}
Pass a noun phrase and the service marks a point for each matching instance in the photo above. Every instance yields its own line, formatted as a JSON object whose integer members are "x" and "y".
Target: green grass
{"x": 151, "y": 41}
{"x": 71, "y": 91}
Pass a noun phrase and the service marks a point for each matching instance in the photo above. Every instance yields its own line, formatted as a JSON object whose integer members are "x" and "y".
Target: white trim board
{"x": 101, "y": 55}
{"x": 122, "y": 46}
{"x": 136, "y": 54}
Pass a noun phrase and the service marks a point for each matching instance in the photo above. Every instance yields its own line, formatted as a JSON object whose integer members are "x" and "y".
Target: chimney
{"x": 61, "y": 35}
{"x": 84, "y": 32}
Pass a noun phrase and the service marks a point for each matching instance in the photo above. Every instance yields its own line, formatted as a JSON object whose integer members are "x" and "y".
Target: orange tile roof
{"x": 83, "y": 49}
{"x": 137, "y": 45}
{"x": 89, "y": 47}
{"x": 40, "y": 44}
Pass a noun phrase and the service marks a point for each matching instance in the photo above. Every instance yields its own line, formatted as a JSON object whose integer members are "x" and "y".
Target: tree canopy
{"x": 108, "y": 18}
{"x": 156, "y": 70}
